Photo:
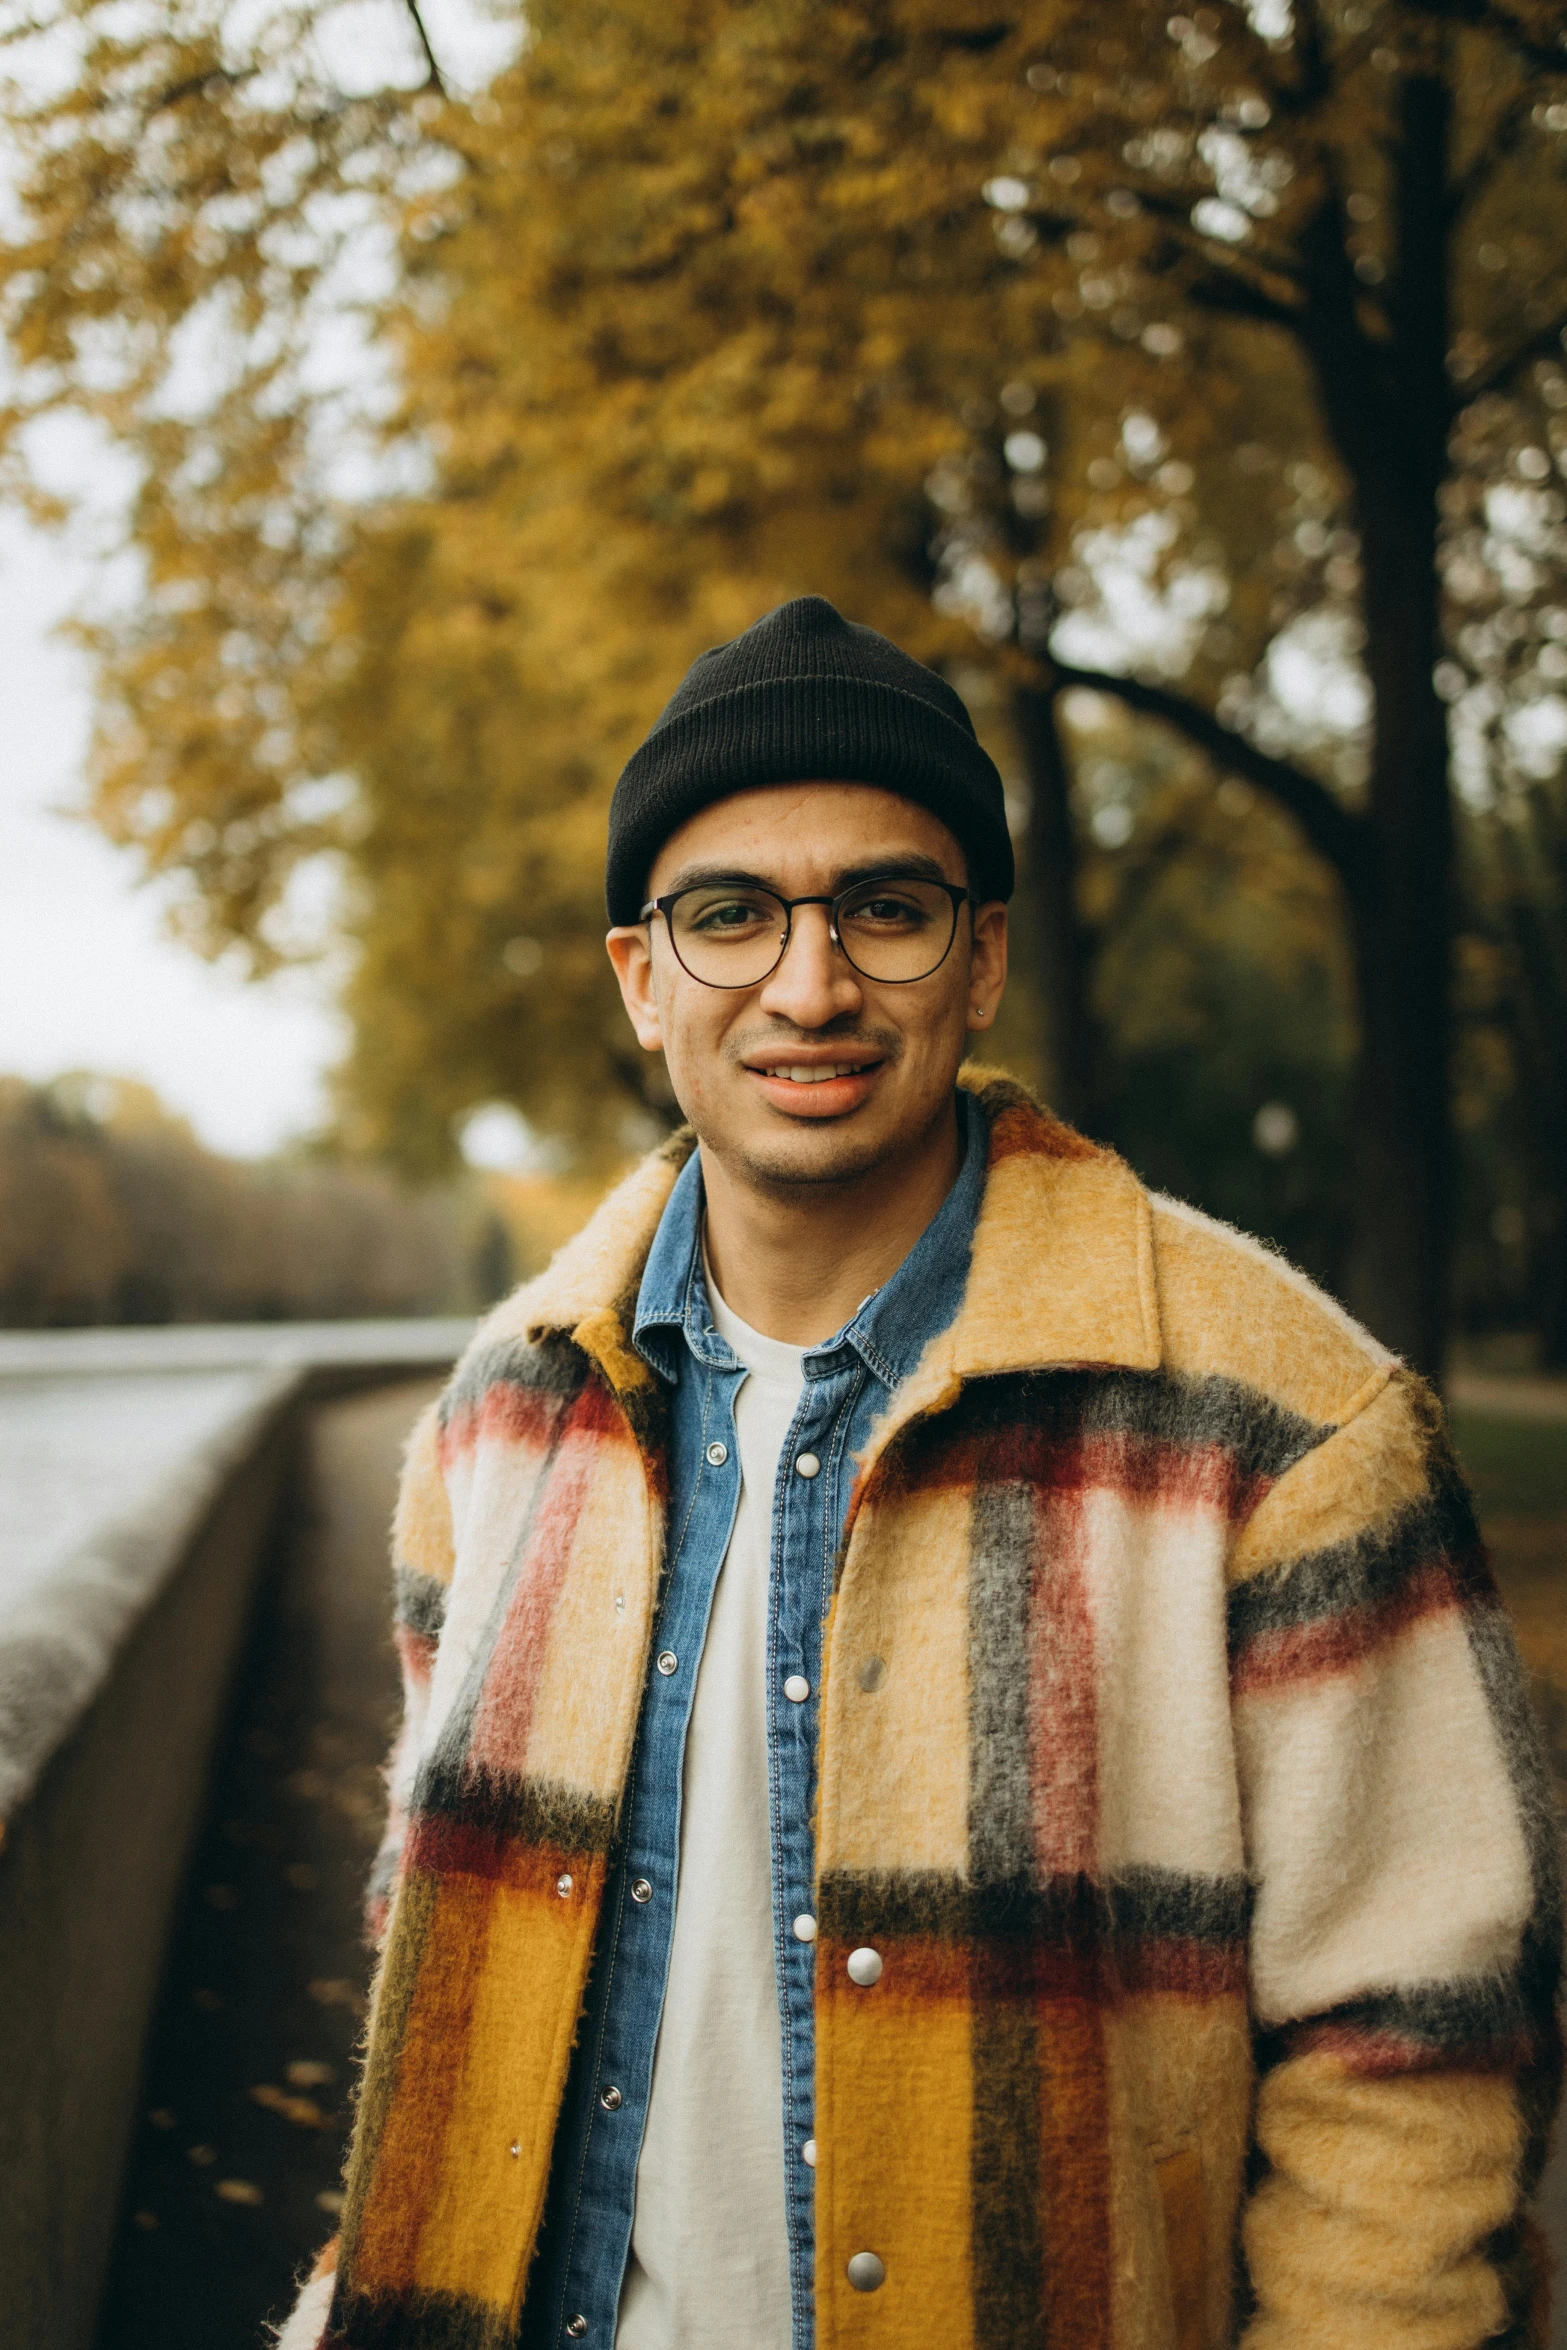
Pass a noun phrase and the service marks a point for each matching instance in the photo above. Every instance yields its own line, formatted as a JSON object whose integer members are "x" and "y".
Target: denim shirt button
{"x": 717, "y": 1454}
{"x": 797, "y": 1689}
{"x": 804, "y": 1928}
{"x": 807, "y": 1465}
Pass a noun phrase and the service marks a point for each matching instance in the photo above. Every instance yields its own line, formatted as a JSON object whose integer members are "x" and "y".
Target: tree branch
{"x": 1506, "y": 133}
{"x": 433, "y": 79}
{"x": 1255, "y": 263}
{"x": 1546, "y": 343}
{"x": 198, "y": 84}
{"x": 1239, "y": 297}
{"x": 1485, "y": 17}
{"x": 1336, "y": 835}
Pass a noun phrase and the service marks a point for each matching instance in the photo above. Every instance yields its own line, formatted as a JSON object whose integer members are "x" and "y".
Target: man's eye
{"x": 886, "y": 909}
{"x": 727, "y": 914}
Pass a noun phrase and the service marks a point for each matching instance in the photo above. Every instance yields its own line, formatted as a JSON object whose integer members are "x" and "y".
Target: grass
{"x": 1518, "y": 1468}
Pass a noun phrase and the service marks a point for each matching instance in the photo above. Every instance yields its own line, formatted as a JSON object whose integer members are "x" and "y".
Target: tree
{"x": 699, "y": 306}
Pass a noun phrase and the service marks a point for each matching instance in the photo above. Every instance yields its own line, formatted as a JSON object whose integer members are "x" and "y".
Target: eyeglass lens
{"x": 732, "y": 936}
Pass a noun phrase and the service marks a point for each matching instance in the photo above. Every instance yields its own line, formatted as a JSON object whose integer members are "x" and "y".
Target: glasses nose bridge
{"x": 830, "y": 914}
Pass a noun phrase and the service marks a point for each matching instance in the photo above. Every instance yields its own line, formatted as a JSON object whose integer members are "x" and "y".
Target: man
{"x": 965, "y": 1782}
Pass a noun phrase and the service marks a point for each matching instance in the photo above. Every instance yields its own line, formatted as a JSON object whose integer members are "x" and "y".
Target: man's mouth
{"x": 816, "y": 1086}
{"x": 811, "y": 1072}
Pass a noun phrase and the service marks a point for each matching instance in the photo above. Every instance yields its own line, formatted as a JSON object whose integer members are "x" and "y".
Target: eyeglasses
{"x": 735, "y": 934}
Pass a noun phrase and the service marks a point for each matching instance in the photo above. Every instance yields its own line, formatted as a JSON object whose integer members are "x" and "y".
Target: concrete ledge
{"x": 118, "y": 1643}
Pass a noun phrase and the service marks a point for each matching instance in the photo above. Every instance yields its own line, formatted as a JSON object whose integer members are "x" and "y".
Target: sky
{"x": 88, "y": 980}
{"x": 88, "y": 977}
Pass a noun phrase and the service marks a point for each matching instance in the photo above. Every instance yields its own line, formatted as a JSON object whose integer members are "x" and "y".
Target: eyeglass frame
{"x": 959, "y": 896}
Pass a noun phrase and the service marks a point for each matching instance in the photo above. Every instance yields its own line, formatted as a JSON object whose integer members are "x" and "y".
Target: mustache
{"x": 770, "y": 1035}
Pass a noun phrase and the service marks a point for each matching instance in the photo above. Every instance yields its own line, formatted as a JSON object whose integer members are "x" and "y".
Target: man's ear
{"x": 630, "y": 949}
{"x": 987, "y": 964}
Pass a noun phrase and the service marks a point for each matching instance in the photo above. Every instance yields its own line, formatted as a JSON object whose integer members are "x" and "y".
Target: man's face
{"x": 746, "y": 1063}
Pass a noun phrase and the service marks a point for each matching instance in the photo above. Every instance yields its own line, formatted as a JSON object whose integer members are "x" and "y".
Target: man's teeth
{"x": 817, "y": 1073}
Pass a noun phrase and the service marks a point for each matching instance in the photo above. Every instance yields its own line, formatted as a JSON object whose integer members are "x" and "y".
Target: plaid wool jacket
{"x": 1173, "y": 1754}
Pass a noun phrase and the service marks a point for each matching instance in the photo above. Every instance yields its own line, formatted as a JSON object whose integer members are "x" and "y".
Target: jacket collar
{"x": 1062, "y": 1270}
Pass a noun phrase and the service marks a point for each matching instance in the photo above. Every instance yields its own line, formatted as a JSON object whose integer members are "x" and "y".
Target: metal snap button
{"x": 717, "y": 1454}
{"x": 667, "y": 1661}
{"x": 641, "y": 1890}
{"x": 865, "y": 1967}
{"x": 563, "y": 1886}
{"x": 807, "y": 1465}
{"x": 611, "y": 2099}
{"x": 866, "y": 2273}
{"x": 577, "y": 2326}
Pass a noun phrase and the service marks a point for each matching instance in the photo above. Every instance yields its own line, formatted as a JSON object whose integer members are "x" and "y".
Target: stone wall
{"x": 121, "y": 1619}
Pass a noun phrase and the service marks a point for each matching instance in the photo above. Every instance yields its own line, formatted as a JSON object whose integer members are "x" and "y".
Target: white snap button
{"x": 805, "y": 1929}
{"x": 865, "y": 1967}
{"x": 797, "y": 1689}
{"x": 641, "y": 1890}
{"x": 563, "y": 1886}
{"x": 808, "y": 1465}
{"x": 717, "y": 1454}
{"x": 808, "y": 2154}
{"x": 866, "y": 2273}
{"x": 667, "y": 1661}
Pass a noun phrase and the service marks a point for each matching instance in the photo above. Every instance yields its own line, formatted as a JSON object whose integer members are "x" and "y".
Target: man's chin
{"x": 823, "y": 1152}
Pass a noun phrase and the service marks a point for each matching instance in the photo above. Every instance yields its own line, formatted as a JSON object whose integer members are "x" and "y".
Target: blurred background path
{"x": 234, "y": 2174}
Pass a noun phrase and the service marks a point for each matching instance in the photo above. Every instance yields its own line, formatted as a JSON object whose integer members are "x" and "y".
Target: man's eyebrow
{"x": 906, "y": 868}
{"x": 717, "y": 876}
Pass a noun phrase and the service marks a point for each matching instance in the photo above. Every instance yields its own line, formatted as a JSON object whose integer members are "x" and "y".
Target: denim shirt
{"x": 849, "y": 1381}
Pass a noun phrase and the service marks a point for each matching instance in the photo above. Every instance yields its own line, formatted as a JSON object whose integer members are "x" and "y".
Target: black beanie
{"x": 805, "y": 695}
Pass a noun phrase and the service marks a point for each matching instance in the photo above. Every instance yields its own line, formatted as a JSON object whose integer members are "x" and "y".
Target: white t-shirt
{"x": 709, "y": 2262}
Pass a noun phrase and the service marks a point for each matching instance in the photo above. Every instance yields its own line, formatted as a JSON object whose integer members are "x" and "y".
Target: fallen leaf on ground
{"x": 303, "y": 2112}
{"x": 336, "y": 1991}
{"x": 307, "y": 2072}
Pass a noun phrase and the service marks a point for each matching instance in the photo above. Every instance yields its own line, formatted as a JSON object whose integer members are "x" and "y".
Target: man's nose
{"x": 815, "y": 982}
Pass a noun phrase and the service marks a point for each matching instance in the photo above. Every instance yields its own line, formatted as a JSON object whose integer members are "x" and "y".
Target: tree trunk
{"x": 1540, "y": 1038}
{"x": 1062, "y": 948}
{"x": 1400, "y": 1245}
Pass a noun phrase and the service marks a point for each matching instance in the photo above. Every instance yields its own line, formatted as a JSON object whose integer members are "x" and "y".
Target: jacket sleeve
{"x": 422, "y": 1573}
{"x": 1405, "y": 1947}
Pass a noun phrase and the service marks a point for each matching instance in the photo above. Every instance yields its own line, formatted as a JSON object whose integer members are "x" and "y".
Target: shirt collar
{"x": 890, "y": 1330}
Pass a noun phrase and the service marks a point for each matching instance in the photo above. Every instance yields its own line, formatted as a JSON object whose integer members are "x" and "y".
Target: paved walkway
{"x": 1542, "y": 1398}
{"x": 233, "y": 2179}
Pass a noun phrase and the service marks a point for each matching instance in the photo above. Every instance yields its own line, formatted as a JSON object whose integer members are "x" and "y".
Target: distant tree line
{"x": 112, "y": 1211}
